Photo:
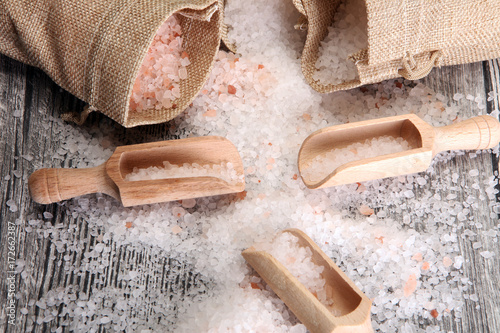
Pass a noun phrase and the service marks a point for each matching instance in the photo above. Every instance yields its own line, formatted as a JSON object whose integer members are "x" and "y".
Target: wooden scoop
{"x": 53, "y": 185}
{"x": 425, "y": 141}
{"x": 349, "y": 302}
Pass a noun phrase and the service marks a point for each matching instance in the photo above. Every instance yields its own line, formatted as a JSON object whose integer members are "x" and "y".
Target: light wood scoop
{"x": 426, "y": 141}
{"x": 53, "y": 185}
{"x": 349, "y": 303}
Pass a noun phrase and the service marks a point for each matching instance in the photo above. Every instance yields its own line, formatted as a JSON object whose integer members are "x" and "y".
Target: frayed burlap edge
{"x": 412, "y": 64}
{"x": 201, "y": 41}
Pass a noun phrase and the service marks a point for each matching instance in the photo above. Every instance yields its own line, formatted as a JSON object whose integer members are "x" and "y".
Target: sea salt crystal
{"x": 459, "y": 260}
{"x": 458, "y": 96}
{"x": 224, "y": 171}
{"x": 298, "y": 329}
{"x": 409, "y": 194}
{"x": 473, "y": 172}
{"x": 99, "y": 247}
{"x": 322, "y": 165}
{"x": 421, "y": 181}
{"x": 12, "y": 205}
{"x": 487, "y": 254}
{"x": 47, "y": 215}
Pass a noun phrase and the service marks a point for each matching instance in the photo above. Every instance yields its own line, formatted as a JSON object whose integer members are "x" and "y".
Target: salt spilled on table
{"x": 323, "y": 165}
{"x": 346, "y": 36}
{"x": 298, "y": 261}
{"x": 224, "y": 171}
{"x": 201, "y": 289}
{"x": 158, "y": 83}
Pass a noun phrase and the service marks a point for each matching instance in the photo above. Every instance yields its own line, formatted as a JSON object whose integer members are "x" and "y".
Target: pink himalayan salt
{"x": 158, "y": 83}
{"x": 365, "y": 210}
{"x": 210, "y": 113}
{"x": 411, "y": 285}
{"x": 417, "y": 257}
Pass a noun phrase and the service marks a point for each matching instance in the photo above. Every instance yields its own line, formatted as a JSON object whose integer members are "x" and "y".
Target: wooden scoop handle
{"x": 480, "y": 132}
{"x": 53, "y": 185}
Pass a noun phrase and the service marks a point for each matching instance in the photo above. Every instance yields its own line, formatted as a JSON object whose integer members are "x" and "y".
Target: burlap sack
{"x": 406, "y": 38}
{"x": 94, "y": 48}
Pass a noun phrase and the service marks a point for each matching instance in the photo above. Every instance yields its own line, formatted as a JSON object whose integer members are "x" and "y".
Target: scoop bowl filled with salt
{"x": 149, "y": 173}
{"x": 316, "y": 290}
{"x": 386, "y": 147}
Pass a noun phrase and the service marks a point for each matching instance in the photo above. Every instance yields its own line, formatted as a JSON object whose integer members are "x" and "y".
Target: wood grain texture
{"x": 28, "y": 97}
{"x": 350, "y": 305}
{"x": 424, "y": 140}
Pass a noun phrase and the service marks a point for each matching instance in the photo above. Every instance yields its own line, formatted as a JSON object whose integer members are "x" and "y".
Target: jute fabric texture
{"x": 406, "y": 38}
{"x": 94, "y": 48}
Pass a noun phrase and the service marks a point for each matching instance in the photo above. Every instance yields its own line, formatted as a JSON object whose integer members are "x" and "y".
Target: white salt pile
{"x": 298, "y": 261}
{"x": 224, "y": 171}
{"x": 346, "y": 36}
{"x": 323, "y": 165}
{"x": 157, "y": 84}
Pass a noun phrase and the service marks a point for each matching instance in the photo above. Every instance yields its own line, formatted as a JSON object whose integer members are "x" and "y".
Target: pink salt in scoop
{"x": 339, "y": 307}
{"x": 419, "y": 143}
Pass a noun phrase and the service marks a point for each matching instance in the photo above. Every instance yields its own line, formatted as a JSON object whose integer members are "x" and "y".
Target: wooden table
{"x": 28, "y": 96}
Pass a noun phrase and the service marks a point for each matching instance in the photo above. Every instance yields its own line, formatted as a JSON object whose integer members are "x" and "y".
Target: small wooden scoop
{"x": 348, "y": 301}
{"x": 53, "y": 185}
{"x": 425, "y": 141}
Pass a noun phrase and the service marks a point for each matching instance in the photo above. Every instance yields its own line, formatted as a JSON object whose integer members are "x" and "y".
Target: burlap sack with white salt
{"x": 405, "y": 38}
{"x": 94, "y": 48}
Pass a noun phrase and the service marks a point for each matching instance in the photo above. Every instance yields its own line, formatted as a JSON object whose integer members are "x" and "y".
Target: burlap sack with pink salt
{"x": 94, "y": 48}
{"x": 405, "y": 38}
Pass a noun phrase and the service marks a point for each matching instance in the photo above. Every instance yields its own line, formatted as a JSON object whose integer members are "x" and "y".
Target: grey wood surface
{"x": 27, "y": 141}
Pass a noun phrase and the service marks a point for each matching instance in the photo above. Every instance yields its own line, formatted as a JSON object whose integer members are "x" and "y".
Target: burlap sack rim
{"x": 449, "y": 55}
{"x": 96, "y": 56}
{"x": 155, "y": 116}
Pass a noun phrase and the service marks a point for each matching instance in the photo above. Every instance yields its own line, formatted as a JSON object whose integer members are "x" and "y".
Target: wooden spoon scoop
{"x": 348, "y": 301}
{"x": 425, "y": 141}
{"x": 53, "y": 185}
